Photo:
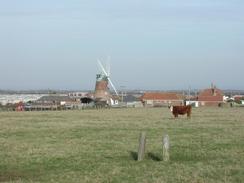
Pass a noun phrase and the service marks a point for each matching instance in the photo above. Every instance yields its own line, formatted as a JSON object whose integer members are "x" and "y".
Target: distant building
{"x": 54, "y": 102}
{"x": 242, "y": 102}
{"x": 55, "y": 99}
{"x": 160, "y": 99}
{"x": 16, "y": 98}
{"x": 19, "y": 106}
{"x": 211, "y": 97}
{"x": 132, "y": 101}
{"x": 78, "y": 94}
{"x": 130, "y": 98}
{"x": 238, "y": 98}
{"x": 81, "y": 96}
{"x": 192, "y": 100}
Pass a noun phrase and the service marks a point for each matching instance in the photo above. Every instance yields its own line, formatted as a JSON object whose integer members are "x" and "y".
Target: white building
{"x": 16, "y": 98}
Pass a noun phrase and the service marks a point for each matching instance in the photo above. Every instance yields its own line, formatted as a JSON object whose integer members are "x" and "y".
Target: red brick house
{"x": 159, "y": 99}
{"x": 19, "y": 106}
{"x": 211, "y": 97}
{"x": 238, "y": 98}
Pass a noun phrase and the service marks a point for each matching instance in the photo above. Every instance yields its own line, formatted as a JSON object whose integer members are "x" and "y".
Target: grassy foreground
{"x": 101, "y": 146}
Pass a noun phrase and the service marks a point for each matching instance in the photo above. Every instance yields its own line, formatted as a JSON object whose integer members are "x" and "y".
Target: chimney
{"x": 213, "y": 88}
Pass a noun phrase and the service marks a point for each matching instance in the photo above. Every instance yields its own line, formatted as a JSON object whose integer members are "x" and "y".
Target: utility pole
{"x": 189, "y": 94}
{"x": 122, "y": 93}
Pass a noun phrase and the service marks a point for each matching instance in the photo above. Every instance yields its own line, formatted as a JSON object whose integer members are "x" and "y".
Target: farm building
{"x": 238, "y": 98}
{"x": 132, "y": 101}
{"x": 53, "y": 102}
{"x": 77, "y": 94}
{"x": 83, "y": 97}
{"x": 192, "y": 100}
{"x": 211, "y": 97}
{"x": 159, "y": 99}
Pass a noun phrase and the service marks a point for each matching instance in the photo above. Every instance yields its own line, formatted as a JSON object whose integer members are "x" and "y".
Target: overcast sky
{"x": 158, "y": 44}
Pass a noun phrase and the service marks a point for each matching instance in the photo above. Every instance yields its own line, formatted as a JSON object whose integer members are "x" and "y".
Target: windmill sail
{"x": 106, "y": 74}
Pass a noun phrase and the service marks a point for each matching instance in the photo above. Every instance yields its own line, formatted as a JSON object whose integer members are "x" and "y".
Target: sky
{"x": 154, "y": 45}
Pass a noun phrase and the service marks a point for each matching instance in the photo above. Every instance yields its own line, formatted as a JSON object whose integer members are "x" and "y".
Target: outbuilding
{"x": 211, "y": 97}
{"x": 160, "y": 99}
{"x": 54, "y": 102}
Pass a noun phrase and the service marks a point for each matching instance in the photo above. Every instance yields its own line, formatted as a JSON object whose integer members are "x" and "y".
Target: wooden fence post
{"x": 166, "y": 148}
{"x": 142, "y": 144}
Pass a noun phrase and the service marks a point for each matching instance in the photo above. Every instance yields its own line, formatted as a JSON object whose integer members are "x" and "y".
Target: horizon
{"x": 169, "y": 45}
{"x": 121, "y": 90}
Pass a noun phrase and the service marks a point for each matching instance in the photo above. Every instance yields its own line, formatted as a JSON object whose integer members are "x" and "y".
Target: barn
{"x": 238, "y": 98}
{"x": 132, "y": 101}
{"x": 160, "y": 99}
{"x": 211, "y": 97}
{"x": 54, "y": 102}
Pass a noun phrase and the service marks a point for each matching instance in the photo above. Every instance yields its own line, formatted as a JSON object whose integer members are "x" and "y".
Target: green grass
{"x": 101, "y": 146}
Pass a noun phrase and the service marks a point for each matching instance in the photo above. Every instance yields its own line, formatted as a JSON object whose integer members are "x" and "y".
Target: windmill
{"x": 102, "y": 94}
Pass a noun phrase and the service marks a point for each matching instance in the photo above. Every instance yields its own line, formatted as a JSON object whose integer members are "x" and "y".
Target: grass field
{"x": 101, "y": 146}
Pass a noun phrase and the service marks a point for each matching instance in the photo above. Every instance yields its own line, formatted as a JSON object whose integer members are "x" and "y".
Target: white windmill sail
{"x": 106, "y": 73}
{"x": 108, "y": 65}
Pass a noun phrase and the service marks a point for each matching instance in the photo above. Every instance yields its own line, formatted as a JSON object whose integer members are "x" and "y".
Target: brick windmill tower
{"x": 103, "y": 80}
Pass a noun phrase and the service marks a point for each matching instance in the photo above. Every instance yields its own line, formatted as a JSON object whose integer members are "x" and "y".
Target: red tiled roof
{"x": 161, "y": 96}
{"x": 211, "y": 94}
{"x": 238, "y": 97}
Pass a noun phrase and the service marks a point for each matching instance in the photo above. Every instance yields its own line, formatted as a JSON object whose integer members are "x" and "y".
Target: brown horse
{"x": 181, "y": 110}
